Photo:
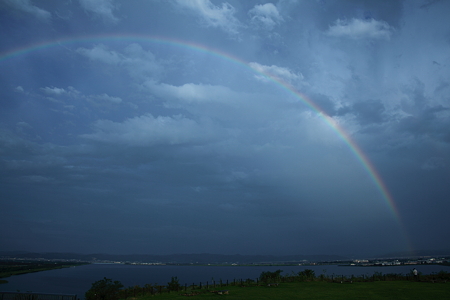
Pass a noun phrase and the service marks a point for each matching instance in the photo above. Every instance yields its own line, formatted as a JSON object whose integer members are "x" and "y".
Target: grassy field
{"x": 323, "y": 290}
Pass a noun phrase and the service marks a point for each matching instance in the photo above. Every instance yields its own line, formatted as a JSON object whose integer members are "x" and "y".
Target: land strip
{"x": 16, "y": 267}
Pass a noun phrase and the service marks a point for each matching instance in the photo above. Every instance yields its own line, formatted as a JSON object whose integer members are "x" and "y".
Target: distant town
{"x": 227, "y": 260}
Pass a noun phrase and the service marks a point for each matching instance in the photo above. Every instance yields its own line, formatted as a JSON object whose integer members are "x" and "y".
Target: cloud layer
{"x": 211, "y": 126}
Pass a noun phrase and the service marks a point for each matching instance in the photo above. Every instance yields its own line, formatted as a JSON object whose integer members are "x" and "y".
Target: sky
{"x": 229, "y": 127}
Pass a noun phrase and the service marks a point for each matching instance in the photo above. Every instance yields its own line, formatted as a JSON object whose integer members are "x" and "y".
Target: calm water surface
{"x": 77, "y": 280}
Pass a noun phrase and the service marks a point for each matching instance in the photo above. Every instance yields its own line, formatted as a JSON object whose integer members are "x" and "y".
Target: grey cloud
{"x": 265, "y": 16}
{"x": 361, "y": 29}
{"x": 422, "y": 115}
{"x": 369, "y": 111}
{"x": 280, "y": 73}
{"x": 101, "y": 8}
{"x": 101, "y": 53}
{"x": 54, "y": 91}
{"x": 430, "y": 3}
{"x": 148, "y": 130}
{"x": 432, "y": 122}
{"x": 324, "y": 103}
{"x": 433, "y": 163}
{"x": 74, "y": 102}
{"x": 27, "y": 6}
{"x": 106, "y": 98}
{"x": 20, "y": 89}
{"x": 191, "y": 93}
{"x": 138, "y": 62}
{"x": 38, "y": 178}
{"x": 229, "y": 108}
{"x": 211, "y": 15}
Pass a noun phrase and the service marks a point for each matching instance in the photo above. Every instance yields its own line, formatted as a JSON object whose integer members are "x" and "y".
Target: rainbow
{"x": 341, "y": 133}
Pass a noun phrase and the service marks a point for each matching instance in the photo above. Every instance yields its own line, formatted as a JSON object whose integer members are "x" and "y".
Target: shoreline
{"x": 12, "y": 268}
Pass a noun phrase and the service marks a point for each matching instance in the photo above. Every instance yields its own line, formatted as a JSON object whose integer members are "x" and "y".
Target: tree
{"x": 104, "y": 289}
{"x": 174, "y": 284}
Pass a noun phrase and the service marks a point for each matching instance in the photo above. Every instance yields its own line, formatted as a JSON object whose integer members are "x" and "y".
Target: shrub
{"x": 270, "y": 276}
{"x": 307, "y": 274}
{"x": 443, "y": 275}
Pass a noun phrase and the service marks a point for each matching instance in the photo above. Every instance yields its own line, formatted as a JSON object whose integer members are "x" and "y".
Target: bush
{"x": 104, "y": 289}
{"x": 270, "y": 276}
{"x": 307, "y": 274}
{"x": 443, "y": 275}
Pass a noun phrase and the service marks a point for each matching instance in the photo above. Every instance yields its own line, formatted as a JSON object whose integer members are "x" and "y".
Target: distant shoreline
{"x": 10, "y": 268}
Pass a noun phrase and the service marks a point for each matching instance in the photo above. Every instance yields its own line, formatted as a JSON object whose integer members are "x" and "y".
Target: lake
{"x": 77, "y": 280}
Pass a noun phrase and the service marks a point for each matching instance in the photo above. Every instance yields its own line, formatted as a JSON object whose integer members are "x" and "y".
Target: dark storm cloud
{"x": 424, "y": 118}
{"x": 367, "y": 112}
{"x": 428, "y": 123}
{"x": 129, "y": 145}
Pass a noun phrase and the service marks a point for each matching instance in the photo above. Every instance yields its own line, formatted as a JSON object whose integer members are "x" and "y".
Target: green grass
{"x": 323, "y": 290}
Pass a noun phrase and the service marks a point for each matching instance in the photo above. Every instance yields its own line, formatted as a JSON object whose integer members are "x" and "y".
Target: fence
{"x": 217, "y": 285}
{"x": 35, "y": 296}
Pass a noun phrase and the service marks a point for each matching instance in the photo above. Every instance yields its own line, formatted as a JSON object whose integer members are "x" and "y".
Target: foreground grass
{"x": 324, "y": 290}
